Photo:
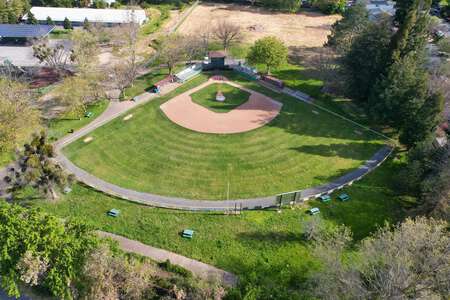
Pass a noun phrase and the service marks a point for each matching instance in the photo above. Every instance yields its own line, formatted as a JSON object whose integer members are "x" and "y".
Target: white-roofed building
{"x": 108, "y": 17}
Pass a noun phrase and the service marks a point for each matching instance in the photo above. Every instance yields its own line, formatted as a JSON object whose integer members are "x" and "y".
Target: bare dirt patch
{"x": 304, "y": 29}
{"x": 256, "y": 112}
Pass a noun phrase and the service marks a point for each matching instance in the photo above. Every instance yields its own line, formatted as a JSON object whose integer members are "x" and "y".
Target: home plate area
{"x": 254, "y": 113}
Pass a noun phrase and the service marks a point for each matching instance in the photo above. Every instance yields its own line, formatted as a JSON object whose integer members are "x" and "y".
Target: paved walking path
{"x": 202, "y": 270}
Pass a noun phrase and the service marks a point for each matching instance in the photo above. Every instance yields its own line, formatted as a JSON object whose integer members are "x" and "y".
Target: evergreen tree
{"x": 67, "y": 24}
{"x": 398, "y": 96}
{"x": 86, "y": 25}
{"x": 50, "y": 21}
{"x": 31, "y": 18}
{"x": 422, "y": 124}
{"x": 366, "y": 59}
{"x": 344, "y": 31}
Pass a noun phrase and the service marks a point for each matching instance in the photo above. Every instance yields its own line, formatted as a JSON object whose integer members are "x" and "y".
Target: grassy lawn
{"x": 233, "y": 97}
{"x": 298, "y": 149}
{"x": 263, "y": 247}
{"x": 58, "y": 128}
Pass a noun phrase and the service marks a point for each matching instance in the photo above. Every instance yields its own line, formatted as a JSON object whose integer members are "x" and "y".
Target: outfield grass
{"x": 233, "y": 97}
{"x": 264, "y": 248}
{"x": 298, "y": 149}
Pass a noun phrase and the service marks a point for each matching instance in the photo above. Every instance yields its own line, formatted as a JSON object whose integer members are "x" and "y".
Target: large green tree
{"x": 38, "y": 249}
{"x": 18, "y": 119}
{"x": 11, "y": 11}
{"x": 366, "y": 59}
{"x": 269, "y": 51}
{"x": 344, "y": 31}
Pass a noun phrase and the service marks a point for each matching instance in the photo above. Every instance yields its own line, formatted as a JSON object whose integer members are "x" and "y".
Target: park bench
{"x": 314, "y": 211}
{"x": 187, "y": 233}
{"x": 88, "y": 114}
{"x": 344, "y": 197}
{"x": 114, "y": 212}
{"x": 325, "y": 198}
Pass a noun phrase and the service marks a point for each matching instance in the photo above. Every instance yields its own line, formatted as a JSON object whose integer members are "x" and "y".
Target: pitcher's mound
{"x": 256, "y": 112}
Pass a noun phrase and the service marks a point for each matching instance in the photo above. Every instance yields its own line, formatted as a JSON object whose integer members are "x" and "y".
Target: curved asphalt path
{"x": 117, "y": 109}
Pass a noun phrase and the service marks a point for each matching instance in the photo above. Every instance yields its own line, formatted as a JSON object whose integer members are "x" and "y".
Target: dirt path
{"x": 256, "y": 112}
{"x": 201, "y": 270}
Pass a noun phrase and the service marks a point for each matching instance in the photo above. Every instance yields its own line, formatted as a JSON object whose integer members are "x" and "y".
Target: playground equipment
{"x": 188, "y": 73}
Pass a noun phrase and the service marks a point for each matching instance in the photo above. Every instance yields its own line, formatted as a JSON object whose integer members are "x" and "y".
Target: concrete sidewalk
{"x": 201, "y": 270}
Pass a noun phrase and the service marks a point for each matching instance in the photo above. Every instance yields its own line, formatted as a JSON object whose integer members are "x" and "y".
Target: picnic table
{"x": 187, "y": 233}
{"x": 325, "y": 198}
{"x": 113, "y": 212}
{"x": 344, "y": 197}
{"x": 314, "y": 211}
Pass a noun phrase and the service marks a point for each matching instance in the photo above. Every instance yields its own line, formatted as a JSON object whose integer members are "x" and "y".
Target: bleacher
{"x": 248, "y": 71}
{"x": 188, "y": 73}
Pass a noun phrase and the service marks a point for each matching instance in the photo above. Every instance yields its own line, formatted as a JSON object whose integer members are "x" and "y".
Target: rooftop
{"x": 117, "y": 16}
{"x": 217, "y": 54}
{"x": 24, "y": 30}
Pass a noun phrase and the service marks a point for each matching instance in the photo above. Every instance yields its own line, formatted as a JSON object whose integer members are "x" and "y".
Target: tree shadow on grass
{"x": 358, "y": 151}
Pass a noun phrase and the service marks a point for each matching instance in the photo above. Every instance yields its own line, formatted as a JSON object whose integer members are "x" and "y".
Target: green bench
{"x": 187, "y": 233}
{"x": 325, "y": 198}
{"x": 88, "y": 114}
{"x": 344, "y": 197}
{"x": 314, "y": 211}
{"x": 113, "y": 213}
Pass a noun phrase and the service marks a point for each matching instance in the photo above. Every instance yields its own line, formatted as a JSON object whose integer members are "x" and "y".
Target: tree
{"x": 227, "y": 33}
{"x": 84, "y": 49}
{"x": 409, "y": 261}
{"x": 193, "y": 47}
{"x": 398, "y": 96}
{"x": 100, "y": 4}
{"x": 41, "y": 250}
{"x": 76, "y": 92}
{"x": 57, "y": 57}
{"x": 50, "y": 21}
{"x": 18, "y": 119}
{"x": 331, "y": 6}
{"x": 37, "y": 169}
{"x": 343, "y": 33}
{"x": 269, "y": 51}
{"x": 171, "y": 50}
{"x": 423, "y": 122}
{"x": 366, "y": 60}
{"x": 67, "y": 24}
{"x": 86, "y": 25}
{"x": 125, "y": 38}
{"x": 31, "y": 18}
{"x": 11, "y": 11}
